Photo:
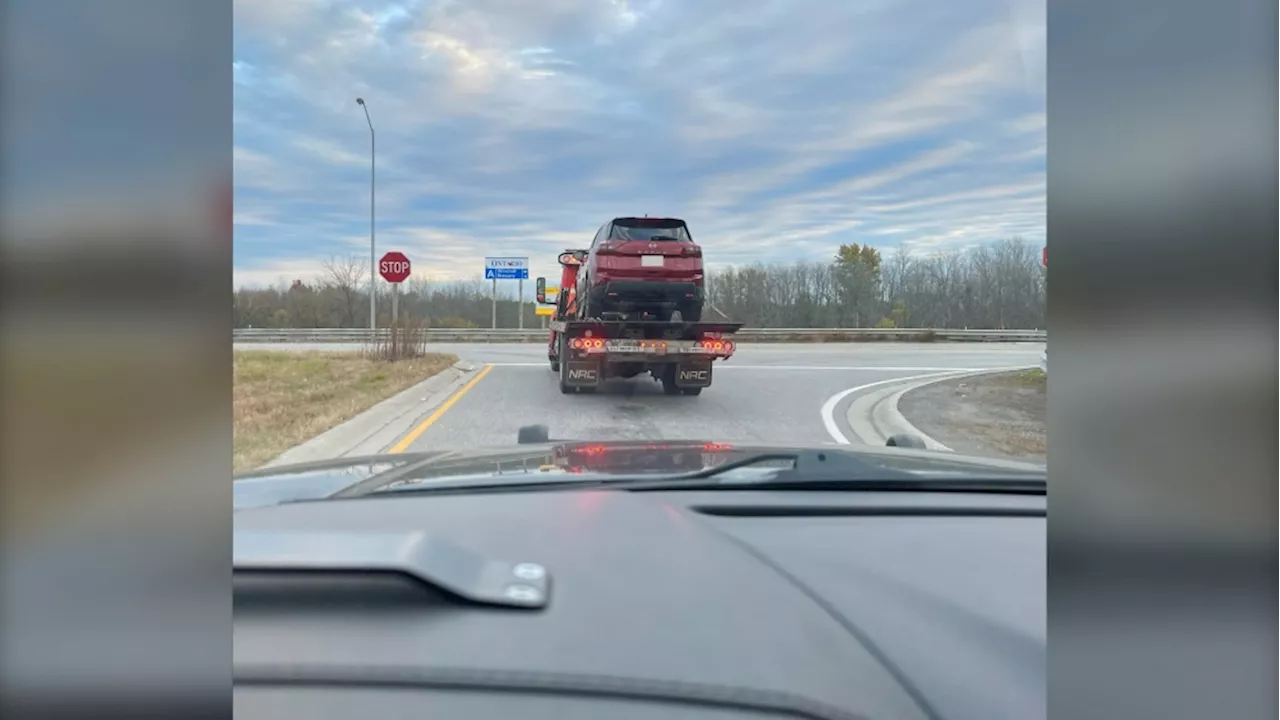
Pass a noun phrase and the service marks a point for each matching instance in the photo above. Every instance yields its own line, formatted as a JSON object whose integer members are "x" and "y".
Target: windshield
{"x": 868, "y": 273}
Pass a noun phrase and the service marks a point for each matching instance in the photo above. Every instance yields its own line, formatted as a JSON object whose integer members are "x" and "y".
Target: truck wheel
{"x": 669, "y": 381}
{"x": 562, "y": 368}
{"x": 555, "y": 366}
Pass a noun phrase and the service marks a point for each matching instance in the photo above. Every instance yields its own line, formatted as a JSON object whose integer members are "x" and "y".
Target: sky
{"x": 778, "y": 129}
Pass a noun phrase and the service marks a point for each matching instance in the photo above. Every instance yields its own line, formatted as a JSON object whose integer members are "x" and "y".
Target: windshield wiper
{"x": 809, "y": 470}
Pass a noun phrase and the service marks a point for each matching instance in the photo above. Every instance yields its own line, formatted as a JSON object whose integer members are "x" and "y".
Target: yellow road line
{"x": 416, "y": 432}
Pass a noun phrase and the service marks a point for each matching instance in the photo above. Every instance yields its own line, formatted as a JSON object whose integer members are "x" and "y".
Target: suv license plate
{"x": 650, "y": 261}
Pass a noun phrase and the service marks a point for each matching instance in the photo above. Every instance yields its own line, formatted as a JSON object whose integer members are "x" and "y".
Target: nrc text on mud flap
{"x": 582, "y": 373}
{"x": 697, "y": 376}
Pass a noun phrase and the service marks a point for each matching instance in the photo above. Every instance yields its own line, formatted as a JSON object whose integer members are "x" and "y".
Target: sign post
{"x": 506, "y": 268}
{"x": 394, "y": 268}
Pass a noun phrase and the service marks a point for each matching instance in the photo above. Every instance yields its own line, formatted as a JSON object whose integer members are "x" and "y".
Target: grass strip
{"x": 282, "y": 399}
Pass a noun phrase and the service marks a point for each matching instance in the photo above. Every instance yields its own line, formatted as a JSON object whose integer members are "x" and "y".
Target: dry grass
{"x": 282, "y": 399}
{"x": 407, "y": 339}
{"x": 1033, "y": 379}
{"x": 997, "y": 414}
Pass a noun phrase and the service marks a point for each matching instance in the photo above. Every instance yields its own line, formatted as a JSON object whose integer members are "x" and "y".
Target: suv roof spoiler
{"x": 656, "y": 222}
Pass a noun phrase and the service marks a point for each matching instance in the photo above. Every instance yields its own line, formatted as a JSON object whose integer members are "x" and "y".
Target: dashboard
{"x": 659, "y": 604}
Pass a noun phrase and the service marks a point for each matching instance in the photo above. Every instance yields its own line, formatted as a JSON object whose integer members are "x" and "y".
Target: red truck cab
{"x": 566, "y": 300}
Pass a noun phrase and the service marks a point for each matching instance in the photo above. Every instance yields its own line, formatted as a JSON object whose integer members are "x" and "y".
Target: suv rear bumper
{"x": 646, "y": 293}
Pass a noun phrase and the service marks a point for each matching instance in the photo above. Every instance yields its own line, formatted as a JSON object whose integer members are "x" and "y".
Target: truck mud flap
{"x": 693, "y": 374}
{"x": 579, "y": 373}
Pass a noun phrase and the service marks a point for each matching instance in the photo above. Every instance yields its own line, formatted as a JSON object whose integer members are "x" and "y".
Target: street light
{"x": 373, "y": 263}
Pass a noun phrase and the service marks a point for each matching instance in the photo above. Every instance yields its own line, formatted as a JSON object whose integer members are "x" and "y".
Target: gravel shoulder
{"x": 1000, "y": 414}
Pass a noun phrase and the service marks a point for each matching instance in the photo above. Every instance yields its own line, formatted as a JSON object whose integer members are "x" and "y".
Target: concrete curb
{"x": 873, "y": 419}
{"x": 375, "y": 430}
{"x": 875, "y": 416}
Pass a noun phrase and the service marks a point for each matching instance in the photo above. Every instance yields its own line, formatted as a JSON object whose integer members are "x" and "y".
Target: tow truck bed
{"x": 652, "y": 329}
{"x": 677, "y": 354}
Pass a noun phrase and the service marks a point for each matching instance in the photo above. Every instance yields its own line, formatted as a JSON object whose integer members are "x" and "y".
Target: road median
{"x": 282, "y": 399}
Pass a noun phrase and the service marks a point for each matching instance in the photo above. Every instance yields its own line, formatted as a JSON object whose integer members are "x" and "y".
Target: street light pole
{"x": 373, "y": 263}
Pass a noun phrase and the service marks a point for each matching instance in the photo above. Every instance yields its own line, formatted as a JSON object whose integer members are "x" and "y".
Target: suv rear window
{"x": 646, "y": 229}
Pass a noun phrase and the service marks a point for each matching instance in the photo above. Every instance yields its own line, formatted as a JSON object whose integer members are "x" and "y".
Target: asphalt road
{"x": 765, "y": 393}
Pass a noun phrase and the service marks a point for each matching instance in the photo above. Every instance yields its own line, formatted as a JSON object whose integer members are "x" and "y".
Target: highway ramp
{"x": 765, "y": 394}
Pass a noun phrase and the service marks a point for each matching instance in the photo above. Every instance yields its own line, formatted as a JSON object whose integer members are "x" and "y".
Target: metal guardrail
{"x": 512, "y": 335}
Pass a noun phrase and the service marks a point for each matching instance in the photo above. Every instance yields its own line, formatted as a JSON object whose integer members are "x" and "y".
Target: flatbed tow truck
{"x": 588, "y": 351}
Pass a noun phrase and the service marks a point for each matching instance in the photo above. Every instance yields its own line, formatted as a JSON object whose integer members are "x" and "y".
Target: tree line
{"x": 999, "y": 285}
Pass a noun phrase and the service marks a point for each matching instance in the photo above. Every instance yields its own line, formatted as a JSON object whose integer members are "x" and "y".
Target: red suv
{"x": 642, "y": 266}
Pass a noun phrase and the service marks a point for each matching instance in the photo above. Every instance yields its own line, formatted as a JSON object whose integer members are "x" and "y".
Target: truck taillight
{"x": 586, "y": 343}
{"x": 720, "y": 347}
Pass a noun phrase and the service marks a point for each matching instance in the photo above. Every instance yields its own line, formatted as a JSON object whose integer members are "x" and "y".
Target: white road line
{"x": 829, "y": 407}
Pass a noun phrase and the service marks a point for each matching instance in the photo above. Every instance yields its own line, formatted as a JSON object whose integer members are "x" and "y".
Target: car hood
{"x": 562, "y": 461}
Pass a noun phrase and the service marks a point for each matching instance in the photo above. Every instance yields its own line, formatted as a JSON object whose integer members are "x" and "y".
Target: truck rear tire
{"x": 668, "y": 378}
{"x": 562, "y": 367}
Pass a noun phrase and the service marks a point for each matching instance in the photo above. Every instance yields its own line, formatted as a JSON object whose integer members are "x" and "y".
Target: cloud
{"x": 778, "y": 129}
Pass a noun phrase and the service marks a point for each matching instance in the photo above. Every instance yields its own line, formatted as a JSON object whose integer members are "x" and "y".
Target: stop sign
{"x": 394, "y": 267}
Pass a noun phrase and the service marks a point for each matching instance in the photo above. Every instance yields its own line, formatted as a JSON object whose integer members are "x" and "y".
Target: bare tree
{"x": 346, "y": 276}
